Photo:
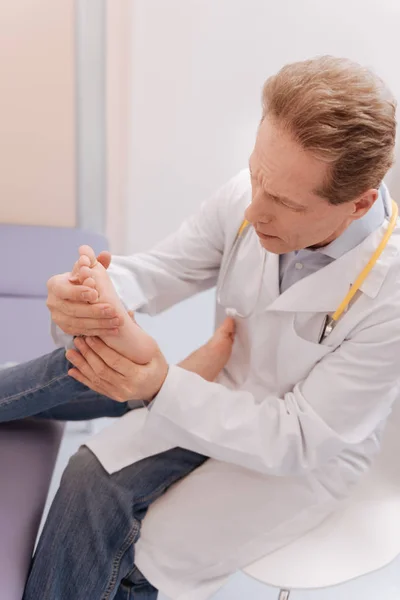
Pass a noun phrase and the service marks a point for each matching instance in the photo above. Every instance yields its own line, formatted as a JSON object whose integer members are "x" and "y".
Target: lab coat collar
{"x": 325, "y": 289}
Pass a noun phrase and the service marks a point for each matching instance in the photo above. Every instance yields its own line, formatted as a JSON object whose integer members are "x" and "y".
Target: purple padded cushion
{"x": 28, "y": 451}
{"x": 24, "y": 330}
{"x": 30, "y": 255}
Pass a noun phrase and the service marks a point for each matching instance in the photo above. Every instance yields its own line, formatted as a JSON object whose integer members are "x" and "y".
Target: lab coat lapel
{"x": 324, "y": 290}
{"x": 321, "y": 291}
{"x": 271, "y": 278}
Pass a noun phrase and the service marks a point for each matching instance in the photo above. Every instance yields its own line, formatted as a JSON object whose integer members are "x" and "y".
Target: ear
{"x": 363, "y": 204}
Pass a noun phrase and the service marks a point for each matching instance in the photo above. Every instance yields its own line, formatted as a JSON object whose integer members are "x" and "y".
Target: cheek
{"x": 308, "y": 232}
{"x": 289, "y": 225}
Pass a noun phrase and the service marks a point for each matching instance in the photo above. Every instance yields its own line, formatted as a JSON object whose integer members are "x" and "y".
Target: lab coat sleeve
{"x": 185, "y": 263}
{"x": 342, "y": 401}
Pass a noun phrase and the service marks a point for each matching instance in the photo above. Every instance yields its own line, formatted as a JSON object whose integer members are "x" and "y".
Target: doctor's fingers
{"x": 81, "y": 309}
{"x": 81, "y": 364}
{"x": 128, "y": 380}
{"x": 79, "y": 326}
{"x": 59, "y": 287}
{"x": 100, "y": 389}
{"x": 99, "y": 367}
{"x": 101, "y": 378}
{"x": 93, "y": 369}
{"x": 110, "y": 357}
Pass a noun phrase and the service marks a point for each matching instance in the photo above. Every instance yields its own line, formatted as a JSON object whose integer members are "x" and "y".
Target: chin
{"x": 275, "y": 245}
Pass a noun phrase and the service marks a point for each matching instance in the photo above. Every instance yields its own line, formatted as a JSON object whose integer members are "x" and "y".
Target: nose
{"x": 249, "y": 214}
{"x": 256, "y": 211}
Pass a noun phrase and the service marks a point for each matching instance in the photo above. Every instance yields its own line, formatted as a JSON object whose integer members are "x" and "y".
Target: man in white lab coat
{"x": 296, "y": 417}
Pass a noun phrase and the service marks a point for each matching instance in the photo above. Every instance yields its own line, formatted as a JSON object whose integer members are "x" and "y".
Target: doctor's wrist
{"x": 161, "y": 369}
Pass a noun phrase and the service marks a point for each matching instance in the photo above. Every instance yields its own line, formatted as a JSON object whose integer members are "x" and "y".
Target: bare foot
{"x": 91, "y": 296}
{"x": 209, "y": 360}
{"x": 131, "y": 341}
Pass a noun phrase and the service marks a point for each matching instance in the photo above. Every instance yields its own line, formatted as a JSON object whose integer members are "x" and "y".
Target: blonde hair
{"x": 343, "y": 114}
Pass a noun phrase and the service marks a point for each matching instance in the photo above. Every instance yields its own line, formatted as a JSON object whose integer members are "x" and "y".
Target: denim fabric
{"x": 42, "y": 387}
{"x": 87, "y": 548}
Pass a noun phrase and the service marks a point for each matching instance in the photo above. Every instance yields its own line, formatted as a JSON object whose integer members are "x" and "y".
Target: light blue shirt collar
{"x": 296, "y": 265}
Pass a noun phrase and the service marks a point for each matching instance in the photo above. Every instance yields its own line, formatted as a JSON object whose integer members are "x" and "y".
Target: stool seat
{"x": 361, "y": 537}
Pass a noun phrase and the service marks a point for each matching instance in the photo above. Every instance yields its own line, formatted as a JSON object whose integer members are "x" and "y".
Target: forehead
{"x": 283, "y": 166}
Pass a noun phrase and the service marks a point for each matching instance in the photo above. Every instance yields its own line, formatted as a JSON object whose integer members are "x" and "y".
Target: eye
{"x": 284, "y": 205}
{"x": 276, "y": 200}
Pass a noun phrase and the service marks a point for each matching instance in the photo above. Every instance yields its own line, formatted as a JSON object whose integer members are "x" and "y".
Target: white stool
{"x": 362, "y": 537}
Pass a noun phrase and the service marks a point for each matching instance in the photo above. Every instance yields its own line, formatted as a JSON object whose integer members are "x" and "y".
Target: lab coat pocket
{"x": 298, "y": 350}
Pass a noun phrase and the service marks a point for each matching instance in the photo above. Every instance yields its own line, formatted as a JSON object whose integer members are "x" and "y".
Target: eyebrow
{"x": 283, "y": 199}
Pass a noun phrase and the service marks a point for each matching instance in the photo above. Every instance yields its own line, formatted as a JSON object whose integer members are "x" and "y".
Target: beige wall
{"x": 37, "y": 124}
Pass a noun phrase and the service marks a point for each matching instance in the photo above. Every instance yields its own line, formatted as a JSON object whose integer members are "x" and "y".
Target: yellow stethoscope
{"x": 329, "y": 321}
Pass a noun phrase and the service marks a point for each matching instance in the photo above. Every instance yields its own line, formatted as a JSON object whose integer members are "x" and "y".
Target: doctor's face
{"x": 286, "y": 210}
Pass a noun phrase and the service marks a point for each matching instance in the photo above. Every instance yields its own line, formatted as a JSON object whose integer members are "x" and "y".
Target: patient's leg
{"x": 43, "y": 385}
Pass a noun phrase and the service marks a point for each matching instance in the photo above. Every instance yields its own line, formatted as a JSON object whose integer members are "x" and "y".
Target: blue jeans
{"x": 42, "y": 387}
{"x": 87, "y": 547}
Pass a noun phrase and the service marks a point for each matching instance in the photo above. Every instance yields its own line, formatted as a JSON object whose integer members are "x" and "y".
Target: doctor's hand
{"x": 107, "y": 372}
{"x": 70, "y": 309}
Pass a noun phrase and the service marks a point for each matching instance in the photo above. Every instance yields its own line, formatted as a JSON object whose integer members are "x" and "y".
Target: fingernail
{"x": 115, "y": 322}
{"x": 109, "y": 312}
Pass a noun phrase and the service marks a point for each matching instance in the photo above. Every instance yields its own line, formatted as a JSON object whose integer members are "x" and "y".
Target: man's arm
{"x": 343, "y": 400}
{"x": 185, "y": 263}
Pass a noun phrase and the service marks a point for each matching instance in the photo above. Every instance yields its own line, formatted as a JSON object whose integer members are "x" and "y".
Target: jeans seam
{"x": 117, "y": 560}
{"x": 129, "y": 540}
{"x": 9, "y": 399}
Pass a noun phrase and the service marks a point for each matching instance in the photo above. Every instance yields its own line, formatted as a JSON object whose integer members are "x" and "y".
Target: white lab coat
{"x": 291, "y": 426}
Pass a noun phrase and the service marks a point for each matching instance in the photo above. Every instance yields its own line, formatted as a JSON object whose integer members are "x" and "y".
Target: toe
{"x": 85, "y": 273}
{"x": 104, "y": 258}
{"x": 89, "y": 252}
{"x": 84, "y": 261}
{"x": 89, "y": 282}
